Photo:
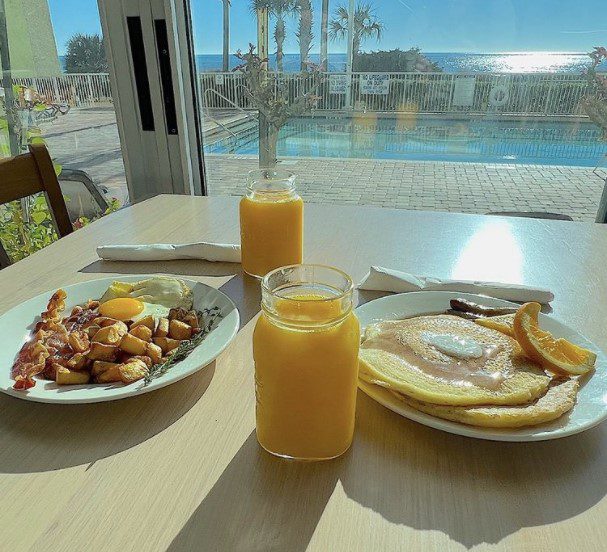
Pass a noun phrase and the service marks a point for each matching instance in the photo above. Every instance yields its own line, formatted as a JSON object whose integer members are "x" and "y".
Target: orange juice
{"x": 305, "y": 347}
{"x": 271, "y": 223}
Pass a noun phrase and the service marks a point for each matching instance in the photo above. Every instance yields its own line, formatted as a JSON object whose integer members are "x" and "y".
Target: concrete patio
{"x": 87, "y": 139}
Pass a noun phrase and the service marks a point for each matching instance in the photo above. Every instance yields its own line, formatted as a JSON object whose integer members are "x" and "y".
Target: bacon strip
{"x": 50, "y": 337}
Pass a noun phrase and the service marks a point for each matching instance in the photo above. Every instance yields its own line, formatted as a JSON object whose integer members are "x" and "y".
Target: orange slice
{"x": 503, "y": 324}
{"x": 558, "y": 355}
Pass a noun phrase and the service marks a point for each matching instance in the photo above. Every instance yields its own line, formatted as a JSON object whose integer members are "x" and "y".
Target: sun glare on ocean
{"x": 534, "y": 62}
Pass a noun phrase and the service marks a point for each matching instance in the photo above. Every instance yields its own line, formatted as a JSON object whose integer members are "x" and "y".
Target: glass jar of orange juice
{"x": 271, "y": 222}
{"x": 305, "y": 347}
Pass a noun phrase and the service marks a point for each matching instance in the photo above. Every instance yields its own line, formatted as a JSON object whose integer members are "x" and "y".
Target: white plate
{"x": 16, "y": 326}
{"x": 589, "y": 410}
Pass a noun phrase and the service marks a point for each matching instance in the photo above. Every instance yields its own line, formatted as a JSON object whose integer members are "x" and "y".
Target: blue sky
{"x": 433, "y": 25}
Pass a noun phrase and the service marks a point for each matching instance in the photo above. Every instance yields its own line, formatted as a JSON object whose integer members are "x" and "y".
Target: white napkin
{"x": 386, "y": 279}
{"x": 221, "y": 252}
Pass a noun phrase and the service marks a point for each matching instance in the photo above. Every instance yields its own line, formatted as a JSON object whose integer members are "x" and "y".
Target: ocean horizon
{"x": 449, "y": 62}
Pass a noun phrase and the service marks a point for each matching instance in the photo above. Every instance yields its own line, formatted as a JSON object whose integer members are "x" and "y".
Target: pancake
{"x": 559, "y": 399}
{"x": 409, "y": 356}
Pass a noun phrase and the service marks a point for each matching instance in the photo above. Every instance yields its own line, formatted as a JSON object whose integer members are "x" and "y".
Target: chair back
{"x": 28, "y": 174}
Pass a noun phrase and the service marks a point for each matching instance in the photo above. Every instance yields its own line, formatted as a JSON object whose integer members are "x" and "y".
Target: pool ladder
{"x": 247, "y": 114}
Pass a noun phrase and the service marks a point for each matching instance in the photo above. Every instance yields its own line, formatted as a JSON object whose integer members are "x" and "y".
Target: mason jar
{"x": 271, "y": 222}
{"x": 305, "y": 347}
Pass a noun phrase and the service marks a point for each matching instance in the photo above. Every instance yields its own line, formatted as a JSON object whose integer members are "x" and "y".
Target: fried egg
{"x": 127, "y": 308}
{"x": 161, "y": 290}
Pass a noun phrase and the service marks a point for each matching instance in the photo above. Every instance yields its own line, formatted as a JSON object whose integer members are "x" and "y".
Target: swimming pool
{"x": 415, "y": 138}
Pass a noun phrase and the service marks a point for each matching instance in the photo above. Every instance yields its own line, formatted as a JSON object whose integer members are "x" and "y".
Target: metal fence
{"x": 522, "y": 93}
{"x": 74, "y": 89}
{"x": 509, "y": 93}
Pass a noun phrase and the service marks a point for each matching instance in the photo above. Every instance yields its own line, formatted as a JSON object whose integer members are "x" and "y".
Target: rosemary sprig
{"x": 208, "y": 319}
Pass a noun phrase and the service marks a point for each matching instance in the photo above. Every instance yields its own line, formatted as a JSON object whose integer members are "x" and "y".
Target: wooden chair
{"x": 29, "y": 174}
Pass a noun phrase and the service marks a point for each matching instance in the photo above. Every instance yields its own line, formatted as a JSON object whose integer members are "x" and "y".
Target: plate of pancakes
{"x": 460, "y": 374}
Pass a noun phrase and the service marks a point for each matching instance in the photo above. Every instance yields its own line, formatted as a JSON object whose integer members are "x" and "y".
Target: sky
{"x": 433, "y": 25}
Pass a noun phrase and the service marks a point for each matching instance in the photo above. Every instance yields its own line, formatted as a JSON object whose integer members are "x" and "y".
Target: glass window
{"x": 475, "y": 107}
{"x": 55, "y": 90}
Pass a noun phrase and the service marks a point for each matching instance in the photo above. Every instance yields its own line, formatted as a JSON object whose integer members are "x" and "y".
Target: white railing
{"x": 74, "y": 89}
{"x": 555, "y": 94}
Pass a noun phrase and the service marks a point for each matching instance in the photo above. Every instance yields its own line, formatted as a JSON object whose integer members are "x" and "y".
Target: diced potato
{"x": 77, "y": 362}
{"x": 93, "y": 329}
{"x": 147, "y": 321}
{"x": 143, "y": 358}
{"x": 123, "y": 357}
{"x": 177, "y": 313}
{"x": 105, "y": 321}
{"x": 133, "y": 371}
{"x": 79, "y": 342}
{"x": 100, "y": 366}
{"x": 111, "y": 335}
{"x": 162, "y": 329}
{"x": 101, "y": 351}
{"x": 191, "y": 319}
{"x": 133, "y": 345}
{"x": 65, "y": 376}
{"x": 166, "y": 344}
{"x": 154, "y": 352}
{"x": 179, "y": 330}
{"x": 111, "y": 374}
{"x": 142, "y": 332}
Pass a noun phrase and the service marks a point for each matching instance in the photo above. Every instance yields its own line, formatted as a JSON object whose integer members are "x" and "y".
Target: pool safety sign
{"x": 463, "y": 91}
{"x": 375, "y": 83}
{"x": 219, "y": 80}
{"x": 338, "y": 84}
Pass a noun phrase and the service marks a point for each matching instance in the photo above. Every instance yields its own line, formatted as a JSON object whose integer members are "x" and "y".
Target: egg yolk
{"x": 123, "y": 308}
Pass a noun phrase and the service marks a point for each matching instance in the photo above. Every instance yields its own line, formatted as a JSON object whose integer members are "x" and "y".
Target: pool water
{"x": 482, "y": 140}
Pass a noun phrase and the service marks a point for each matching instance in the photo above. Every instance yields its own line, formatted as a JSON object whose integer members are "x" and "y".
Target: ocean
{"x": 450, "y": 62}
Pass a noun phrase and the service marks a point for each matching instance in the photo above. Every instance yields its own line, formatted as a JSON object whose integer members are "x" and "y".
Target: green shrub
{"x": 395, "y": 61}
{"x": 22, "y": 235}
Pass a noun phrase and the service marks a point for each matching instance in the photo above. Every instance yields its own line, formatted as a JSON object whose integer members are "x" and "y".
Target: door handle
{"x": 166, "y": 76}
{"x": 140, "y": 69}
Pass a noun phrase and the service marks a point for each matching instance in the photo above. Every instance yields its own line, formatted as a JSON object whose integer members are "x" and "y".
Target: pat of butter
{"x": 454, "y": 345}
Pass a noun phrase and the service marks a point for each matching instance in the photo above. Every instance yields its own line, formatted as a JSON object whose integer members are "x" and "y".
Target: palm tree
{"x": 324, "y": 31}
{"x": 226, "y": 35}
{"x": 304, "y": 31}
{"x": 366, "y": 25}
{"x": 279, "y": 9}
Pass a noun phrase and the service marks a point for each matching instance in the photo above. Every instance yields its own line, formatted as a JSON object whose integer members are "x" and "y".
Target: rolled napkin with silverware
{"x": 380, "y": 278}
{"x": 204, "y": 251}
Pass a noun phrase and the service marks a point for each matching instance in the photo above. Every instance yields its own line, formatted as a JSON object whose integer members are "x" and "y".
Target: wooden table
{"x": 180, "y": 468}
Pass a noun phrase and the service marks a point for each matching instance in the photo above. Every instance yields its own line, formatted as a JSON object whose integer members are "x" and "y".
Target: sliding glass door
{"x": 56, "y": 88}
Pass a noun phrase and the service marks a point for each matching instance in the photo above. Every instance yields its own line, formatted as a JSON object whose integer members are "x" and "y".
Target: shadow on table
{"x": 42, "y": 437}
{"x": 260, "y": 503}
{"x": 474, "y": 491}
{"x": 182, "y": 268}
{"x": 243, "y": 289}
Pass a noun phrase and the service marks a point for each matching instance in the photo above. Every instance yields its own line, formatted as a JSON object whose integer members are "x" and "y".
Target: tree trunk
{"x": 268, "y": 139}
{"x": 226, "y": 36}
{"x": 324, "y": 29}
{"x": 279, "y": 37}
{"x": 305, "y": 31}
